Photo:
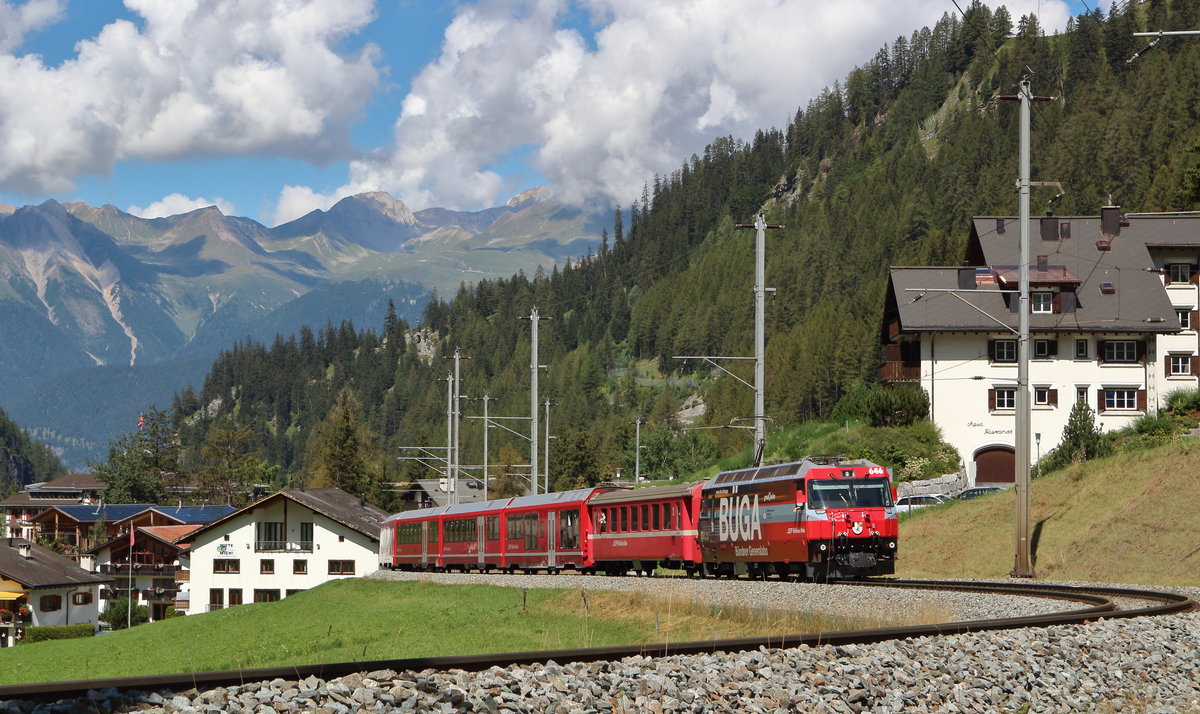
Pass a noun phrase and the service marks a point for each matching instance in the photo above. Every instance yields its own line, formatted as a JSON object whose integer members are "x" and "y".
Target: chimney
{"x": 1000, "y": 226}
{"x": 1043, "y": 263}
{"x": 1049, "y": 227}
{"x": 1110, "y": 221}
{"x": 25, "y": 550}
{"x": 966, "y": 278}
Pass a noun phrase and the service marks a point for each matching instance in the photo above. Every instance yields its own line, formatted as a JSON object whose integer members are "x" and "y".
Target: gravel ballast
{"x": 1138, "y": 665}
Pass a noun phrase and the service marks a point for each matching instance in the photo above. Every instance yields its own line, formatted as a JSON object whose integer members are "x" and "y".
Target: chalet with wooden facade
{"x": 1113, "y": 324}
{"x": 149, "y": 565}
{"x": 20, "y": 508}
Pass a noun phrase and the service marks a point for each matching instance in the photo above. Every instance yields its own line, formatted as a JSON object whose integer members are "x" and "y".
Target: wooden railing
{"x": 898, "y": 372}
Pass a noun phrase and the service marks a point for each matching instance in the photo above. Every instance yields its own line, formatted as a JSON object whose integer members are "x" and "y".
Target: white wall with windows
{"x": 64, "y": 606}
{"x": 971, "y": 381}
{"x": 271, "y": 551}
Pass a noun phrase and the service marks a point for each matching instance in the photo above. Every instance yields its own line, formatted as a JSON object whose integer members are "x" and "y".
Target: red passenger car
{"x": 642, "y": 528}
{"x": 546, "y": 531}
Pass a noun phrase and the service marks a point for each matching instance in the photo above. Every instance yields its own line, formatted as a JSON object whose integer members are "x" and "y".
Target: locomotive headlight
{"x": 892, "y": 544}
{"x": 822, "y": 547}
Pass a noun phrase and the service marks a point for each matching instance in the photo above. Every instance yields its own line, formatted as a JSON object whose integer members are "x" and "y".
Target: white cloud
{"x": 296, "y": 201}
{"x": 222, "y": 77}
{"x": 660, "y": 81}
{"x": 16, "y": 21}
{"x": 177, "y": 203}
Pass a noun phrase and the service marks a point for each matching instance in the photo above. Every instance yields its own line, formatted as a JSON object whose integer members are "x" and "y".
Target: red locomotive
{"x": 819, "y": 518}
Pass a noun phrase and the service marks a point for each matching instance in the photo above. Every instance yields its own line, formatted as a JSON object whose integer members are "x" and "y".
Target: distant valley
{"x": 103, "y": 313}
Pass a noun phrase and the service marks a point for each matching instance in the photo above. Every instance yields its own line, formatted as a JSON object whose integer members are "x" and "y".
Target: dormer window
{"x": 1042, "y": 302}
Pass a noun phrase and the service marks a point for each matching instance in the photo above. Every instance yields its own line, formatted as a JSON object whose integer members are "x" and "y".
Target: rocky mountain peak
{"x": 537, "y": 194}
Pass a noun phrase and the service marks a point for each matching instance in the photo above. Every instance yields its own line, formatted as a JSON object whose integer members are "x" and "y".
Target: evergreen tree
{"x": 342, "y": 453}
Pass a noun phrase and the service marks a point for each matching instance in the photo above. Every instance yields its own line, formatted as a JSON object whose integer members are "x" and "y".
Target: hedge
{"x": 58, "y": 632}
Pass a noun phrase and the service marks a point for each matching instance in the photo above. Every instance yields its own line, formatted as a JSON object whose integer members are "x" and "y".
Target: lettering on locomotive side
{"x": 739, "y": 519}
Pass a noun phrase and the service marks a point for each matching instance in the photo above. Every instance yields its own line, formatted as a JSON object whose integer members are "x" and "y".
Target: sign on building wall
{"x": 226, "y": 549}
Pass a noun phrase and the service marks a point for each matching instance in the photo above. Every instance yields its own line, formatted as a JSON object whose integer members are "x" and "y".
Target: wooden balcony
{"x": 899, "y": 372}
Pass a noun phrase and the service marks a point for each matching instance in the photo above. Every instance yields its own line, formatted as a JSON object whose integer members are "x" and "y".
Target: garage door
{"x": 997, "y": 464}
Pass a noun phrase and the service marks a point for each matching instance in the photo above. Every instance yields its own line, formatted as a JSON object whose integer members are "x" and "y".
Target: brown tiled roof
{"x": 45, "y": 569}
{"x": 169, "y": 534}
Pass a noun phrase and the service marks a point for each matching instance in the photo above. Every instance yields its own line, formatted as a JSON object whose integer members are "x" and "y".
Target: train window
{"x": 531, "y": 531}
{"x": 514, "y": 527}
{"x": 644, "y": 522}
{"x": 491, "y": 527}
{"x": 655, "y": 517}
{"x": 624, "y": 519}
{"x": 568, "y": 530}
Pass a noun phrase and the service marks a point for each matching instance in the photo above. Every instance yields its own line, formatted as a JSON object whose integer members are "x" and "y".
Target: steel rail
{"x": 1098, "y": 599}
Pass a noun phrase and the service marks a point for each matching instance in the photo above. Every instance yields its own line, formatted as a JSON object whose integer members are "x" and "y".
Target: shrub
{"x": 58, "y": 632}
{"x": 118, "y": 610}
{"x": 902, "y": 405}
{"x": 1182, "y": 401}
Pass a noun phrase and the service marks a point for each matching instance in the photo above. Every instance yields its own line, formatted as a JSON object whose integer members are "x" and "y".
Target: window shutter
{"x": 1195, "y": 362}
{"x": 1069, "y": 301}
{"x": 1099, "y": 400}
{"x": 1052, "y": 348}
{"x": 1053, "y": 397}
{"x": 991, "y": 400}
{"x": 1100, "y": 351}
{"x": 1167, "y": 364}
{"x": 991, "y": 350}
{"x": 1056, "y": 301}
{"x": 1194, "y": 278}
{"x": 1194, "y": 320}
{"x": 1140, "y": 350}
{"x": 1141, "y": 400}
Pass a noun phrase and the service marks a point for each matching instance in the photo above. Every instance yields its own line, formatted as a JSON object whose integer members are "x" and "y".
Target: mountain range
{"x": 103, "y": 313}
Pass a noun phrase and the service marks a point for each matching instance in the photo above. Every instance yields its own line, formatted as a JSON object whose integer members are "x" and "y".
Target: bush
{"x": 118, "y": 610}
{"x": 902, "y": 405}
{"x": 1183, "y": 401}
{"x": 57, "y": 632}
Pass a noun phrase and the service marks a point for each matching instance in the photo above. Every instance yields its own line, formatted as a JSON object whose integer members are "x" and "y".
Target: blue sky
{"x": 271, "y": 108}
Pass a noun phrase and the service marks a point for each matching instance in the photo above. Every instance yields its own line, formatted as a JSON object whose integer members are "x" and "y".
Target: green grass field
{"x": 358, "y": 620}
{"x": 1130, "y": 518}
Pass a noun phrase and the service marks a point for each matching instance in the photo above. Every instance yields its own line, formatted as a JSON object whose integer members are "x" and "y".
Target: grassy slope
{"x": 360, "y": 620}
{"x": 1129, "y": 518}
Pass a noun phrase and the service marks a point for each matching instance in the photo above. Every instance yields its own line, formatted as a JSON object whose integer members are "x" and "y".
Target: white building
{"x": 284, "y": 543}
{"x": 1114, "y": 315}
{"x": 40, "y": 587}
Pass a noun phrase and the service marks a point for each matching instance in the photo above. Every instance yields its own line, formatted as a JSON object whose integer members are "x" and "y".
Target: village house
{"x": 1113, "y": 325}
{"x": 285, "y": 543}
{"x": 20, "y": 508}
{"x": 79, "y": 528}
{"x": 39, "y": 587}
{"x": 433, "y": 493}
{"x": 147, "y": 564}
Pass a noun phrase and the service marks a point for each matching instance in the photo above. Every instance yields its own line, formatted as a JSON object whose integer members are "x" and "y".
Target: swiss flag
{"x": 141, "y": 420}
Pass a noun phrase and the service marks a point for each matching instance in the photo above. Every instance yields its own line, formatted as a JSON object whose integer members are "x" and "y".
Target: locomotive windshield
{"x": 855, "y": 493}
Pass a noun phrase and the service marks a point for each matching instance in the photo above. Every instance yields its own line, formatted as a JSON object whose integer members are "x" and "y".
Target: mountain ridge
{"x": 84, "y": 285}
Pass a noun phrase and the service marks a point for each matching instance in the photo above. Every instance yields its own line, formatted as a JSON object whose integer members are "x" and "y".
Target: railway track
{"x": 1092, "y": 603}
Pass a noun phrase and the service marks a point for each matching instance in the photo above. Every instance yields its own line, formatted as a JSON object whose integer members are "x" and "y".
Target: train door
{"x": 551, "y": 541}
{"x": 480, "y": 535}
{"x": 424, "y": 542}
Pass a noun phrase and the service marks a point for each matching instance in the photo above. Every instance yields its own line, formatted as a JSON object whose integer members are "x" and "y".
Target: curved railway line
{"x": 1092, "y": 603}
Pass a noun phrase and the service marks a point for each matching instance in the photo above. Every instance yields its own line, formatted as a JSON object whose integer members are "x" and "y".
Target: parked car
{"x": 907, "y": 504}
{"x": 977, "y": 492}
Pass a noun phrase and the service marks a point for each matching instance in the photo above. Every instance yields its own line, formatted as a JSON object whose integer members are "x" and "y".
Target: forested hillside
{"x": 886, "y": 168}
{"x": 23, "y": 460}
